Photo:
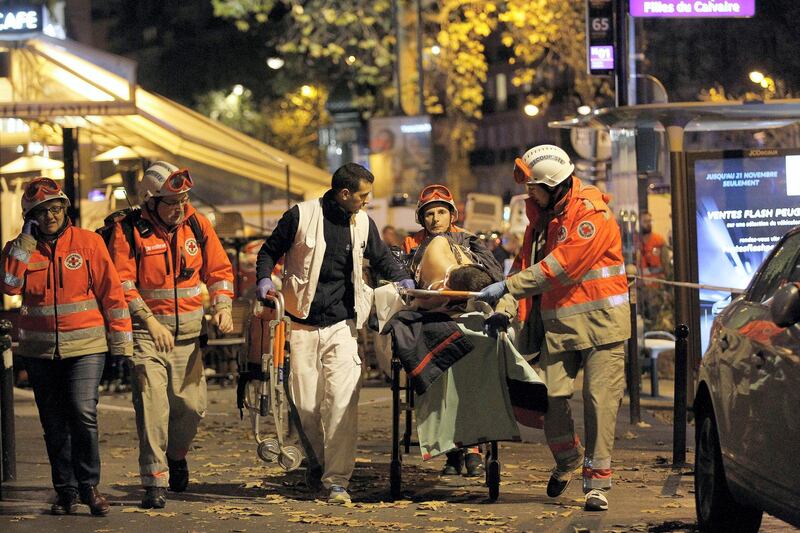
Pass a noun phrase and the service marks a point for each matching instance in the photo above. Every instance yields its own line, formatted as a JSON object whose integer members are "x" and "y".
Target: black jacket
{"x": 334, "y": 300}
{"x": 427, "y": 344}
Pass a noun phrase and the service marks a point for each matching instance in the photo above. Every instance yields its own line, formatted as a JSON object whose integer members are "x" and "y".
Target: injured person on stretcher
{"x": 444, "y": 265}
{"x": 458, "y": 401}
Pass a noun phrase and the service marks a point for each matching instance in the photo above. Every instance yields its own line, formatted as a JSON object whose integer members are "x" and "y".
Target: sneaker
{"x": 66, "y": 502}
{"x": 154, "y": 498}
{"x": 596, "y": 501}
{"x": 178, "y": 475}
{"x": 338, "y": 494}
{"x": 454, "y": 464}
{"x": 473, "y": 464}
{"x": 558, "y": 483}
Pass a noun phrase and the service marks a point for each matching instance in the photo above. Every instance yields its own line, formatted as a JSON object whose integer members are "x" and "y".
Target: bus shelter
{"x": 734, "y": 191}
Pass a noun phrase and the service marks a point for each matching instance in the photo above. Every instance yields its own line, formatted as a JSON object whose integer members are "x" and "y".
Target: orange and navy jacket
{"x": 71, "y": 296}
{"x": 166, "y": 282}
{"x": 581, "y": 279}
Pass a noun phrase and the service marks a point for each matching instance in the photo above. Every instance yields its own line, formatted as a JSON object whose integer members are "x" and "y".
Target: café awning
{"x": 76, "y": 86}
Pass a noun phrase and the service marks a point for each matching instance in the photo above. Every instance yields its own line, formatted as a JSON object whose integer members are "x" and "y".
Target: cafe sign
{"x": 692, "y": 8}
{"x": 16, "y": 20}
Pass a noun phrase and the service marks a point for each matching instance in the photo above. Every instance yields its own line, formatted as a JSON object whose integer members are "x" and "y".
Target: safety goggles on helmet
{"x": 178, "y": 182}
{"x": 522, "y": 173}
{"x": 41, "y": 188}
{"x": 435, "y": 192}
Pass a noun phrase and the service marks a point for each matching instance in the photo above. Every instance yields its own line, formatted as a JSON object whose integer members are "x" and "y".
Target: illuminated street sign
{"x": 600, "y": 37}
{"x": 692, "y": 8}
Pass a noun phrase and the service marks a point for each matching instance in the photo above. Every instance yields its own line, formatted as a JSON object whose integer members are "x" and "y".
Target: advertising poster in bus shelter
{"x": 746, "y": 200}
{"x": 400, "y": 154}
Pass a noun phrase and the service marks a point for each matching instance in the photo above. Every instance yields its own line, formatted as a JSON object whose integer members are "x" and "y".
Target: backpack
{"x": 130, "y": 220}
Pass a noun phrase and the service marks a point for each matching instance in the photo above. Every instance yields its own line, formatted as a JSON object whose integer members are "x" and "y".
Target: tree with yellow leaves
{"x": 359, "y": 38}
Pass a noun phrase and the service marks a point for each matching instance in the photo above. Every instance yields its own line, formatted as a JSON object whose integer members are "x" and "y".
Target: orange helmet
{"x": 40, "y": 190}
{"x": 433, "y": 194}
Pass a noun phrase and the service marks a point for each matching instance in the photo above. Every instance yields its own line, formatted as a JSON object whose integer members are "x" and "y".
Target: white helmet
{"x": 164, "y": 179}
{"x": 546, "y": 165}
{"x": 40, "y": 190}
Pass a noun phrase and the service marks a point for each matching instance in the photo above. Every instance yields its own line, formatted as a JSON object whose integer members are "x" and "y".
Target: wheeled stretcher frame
{"x": 403, "y": 444}
{"x": 264, "y": 391}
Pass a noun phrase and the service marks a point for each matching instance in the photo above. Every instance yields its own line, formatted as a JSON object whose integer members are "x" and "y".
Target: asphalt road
{"x": 232, "y": 490}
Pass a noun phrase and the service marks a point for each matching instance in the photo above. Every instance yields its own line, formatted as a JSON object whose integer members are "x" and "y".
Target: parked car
{"x": 748, "y": 399}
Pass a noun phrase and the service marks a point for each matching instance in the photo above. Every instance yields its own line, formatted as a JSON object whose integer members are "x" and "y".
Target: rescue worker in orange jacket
{"x": 653, "y": 250}
{"x": 437, "y": 214}
{"x": 162, "y": 279}
{"x": 580, "y": 275}
{"x": 73, "y": 310}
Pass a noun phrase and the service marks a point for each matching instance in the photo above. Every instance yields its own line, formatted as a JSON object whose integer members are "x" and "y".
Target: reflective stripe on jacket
{"x": 582, "y": 278}
{"x": 71, "y": 296}
{"x": 171, "y": 268}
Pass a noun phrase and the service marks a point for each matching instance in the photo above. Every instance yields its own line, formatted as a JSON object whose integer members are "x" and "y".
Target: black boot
{"x": 154, "y": 498}
{"x": 178, "y": 475}
{"x": 66, "y": 502}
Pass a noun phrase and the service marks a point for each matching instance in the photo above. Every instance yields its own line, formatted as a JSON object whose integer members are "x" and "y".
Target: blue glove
{"x": 27, "y": 228}
{"x": 496, "y": 323}
{"x": 407, "y": 284}
{"x": 490, "y": 294}
{"x": 265, "y": 286}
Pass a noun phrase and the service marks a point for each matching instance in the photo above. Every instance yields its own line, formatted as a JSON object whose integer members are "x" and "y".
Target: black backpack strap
{"x": 126, "y": 225}
{"x": 199, "y": 236}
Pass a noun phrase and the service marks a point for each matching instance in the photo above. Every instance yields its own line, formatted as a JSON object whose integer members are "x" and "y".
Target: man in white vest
{"x": 324, "y": 242}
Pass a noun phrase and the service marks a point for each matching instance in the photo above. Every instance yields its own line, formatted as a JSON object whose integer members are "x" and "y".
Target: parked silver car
{"x": 747, "y": 404}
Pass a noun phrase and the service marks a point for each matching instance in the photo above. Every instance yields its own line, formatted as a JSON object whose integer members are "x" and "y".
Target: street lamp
{"x": 531, "y": 110}
{"x": 275, "y": 63}
{"x": 766, "y": 82}
{"x": 756, "y": 77}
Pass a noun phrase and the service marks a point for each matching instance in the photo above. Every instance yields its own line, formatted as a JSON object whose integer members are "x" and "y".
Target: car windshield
{"x": 781, "y": 265}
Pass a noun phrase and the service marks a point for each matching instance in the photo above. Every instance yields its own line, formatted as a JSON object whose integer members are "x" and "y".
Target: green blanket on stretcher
{"x": 491, "y": 394}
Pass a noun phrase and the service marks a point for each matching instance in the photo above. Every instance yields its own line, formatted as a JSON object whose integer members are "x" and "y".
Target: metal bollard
{"x": 681, "y": 396}
{"x": 7, "y": 437}
{"x": 634, "y": 372}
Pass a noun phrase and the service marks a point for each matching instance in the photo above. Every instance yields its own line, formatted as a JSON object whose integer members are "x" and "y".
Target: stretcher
{"x": 263, "y": 382}
{"x": 401, "y": 384}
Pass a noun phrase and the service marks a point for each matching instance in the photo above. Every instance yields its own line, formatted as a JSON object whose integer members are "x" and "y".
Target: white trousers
{"x": 325, "y": 382}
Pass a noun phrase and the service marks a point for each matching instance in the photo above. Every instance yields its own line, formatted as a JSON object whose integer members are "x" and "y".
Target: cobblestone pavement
{"x": 232, "y": 490}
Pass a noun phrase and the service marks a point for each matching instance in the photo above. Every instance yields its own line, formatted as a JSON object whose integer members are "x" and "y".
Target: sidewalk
{"x": 232, "y": 490}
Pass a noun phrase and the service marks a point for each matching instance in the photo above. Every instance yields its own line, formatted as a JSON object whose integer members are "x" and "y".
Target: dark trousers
{"x": 66, "y": 395}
